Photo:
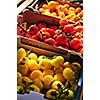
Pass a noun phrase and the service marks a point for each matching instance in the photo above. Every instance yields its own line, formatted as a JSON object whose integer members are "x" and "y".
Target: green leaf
{"x": 66, "y": 92}
{"x": 59, "y": 86}
{"x": 54, "y": 93}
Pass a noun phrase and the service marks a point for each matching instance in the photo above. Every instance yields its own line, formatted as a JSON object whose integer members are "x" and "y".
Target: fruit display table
{"x": 49, "y": 50}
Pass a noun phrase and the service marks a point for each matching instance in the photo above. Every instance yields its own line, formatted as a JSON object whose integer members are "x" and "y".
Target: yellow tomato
{"x": 20, "y": 89}
{"x": 23, "y": 69}
{"x": 49, "y": 94}
{"x": 33, "y": 65}
{"x": 57, "y": 62}
{"x": 32, "y": 56}
{"x": 45, "y": 64}
{"x": 21, "y": 53}
{"x": 34, "y": 88}
{"x": 38, "y": 83}
{"x": 47, "y": 81}
{"x": 66, "y": 64}
{"x": 59, "y": 77}
{"x": 55, "y": 85}
{"x": 48, "y": 72}
{"x": 36, "y": 74}
{"x": 68, "y": 74}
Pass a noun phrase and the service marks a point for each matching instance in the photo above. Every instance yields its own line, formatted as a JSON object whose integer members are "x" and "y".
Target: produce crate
{"x": 31, "y": 18}
{"x": 38, "y": 4}
{"x": 39, "y": 50}
{"x": 70, "y": 2}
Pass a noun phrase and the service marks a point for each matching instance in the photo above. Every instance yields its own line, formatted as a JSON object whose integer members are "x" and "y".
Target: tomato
{"x": 41, "y": 25}
{"x": 69, "y": 29}
{"x": 51, "y": 31}
{"x": 50, "y": 41}
{"x": 80, "y": 14}
{"x": 27, "y": 35}
{"x": 39, "y": 35}
{"x": 34, "y": 37}
{"x": 33, "y": 29}
{"x": 61, "y": 39}
{"x": 80, "y": 50}
{"x": 45, "y": 35}
{"x": 62, "y": 23}
{"x": 75, "y": 43}
{"x": 78, "y": 10}
{"x": 78, "y": 35}
{"x": 79, "y": 29}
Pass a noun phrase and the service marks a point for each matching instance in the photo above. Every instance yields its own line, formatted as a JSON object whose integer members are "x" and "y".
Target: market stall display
{"x": 60, "y": 33}
{"x": 49, "y": 50}
{"x": 62, "y": 11}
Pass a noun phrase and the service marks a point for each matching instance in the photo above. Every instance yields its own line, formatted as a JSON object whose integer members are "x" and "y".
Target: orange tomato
{"x": 53, "y": 4}
{"x": 80, "y": 14}
{"x": 62, "y": 23}
{"x": 66, "y": 5}
{"x": 75, "y": 18}
{"x": 44, "y": 6}
{"x": 36, "y": 74}
{"x": 69, "y": 16}
{"x": 78, "y": 10}
{"x": 65, "y": 11}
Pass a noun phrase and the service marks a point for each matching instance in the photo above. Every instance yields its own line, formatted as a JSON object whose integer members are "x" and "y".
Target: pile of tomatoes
{"x": 66, "y": 36}
{"x": 62, "y": 11}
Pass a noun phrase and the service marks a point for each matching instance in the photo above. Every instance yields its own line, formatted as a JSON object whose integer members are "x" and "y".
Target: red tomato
{"x": 48, "y": 30}
{"x": 34, "y": 37}
{"x": 79, "y": 29}
{"x": 50, "y": 41}
{"x": 51, "y": 31}
{"x": 61, "y": 39}
{"x": 33, "y": 29}
{"x": 69, "y": 29}
{"x": 39, "y": 35}
{"x": 41, "y": 25}
{"x": 75, "y": 43}
{"x": 27, "y": 35}
{"x": 80, "y": 50}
